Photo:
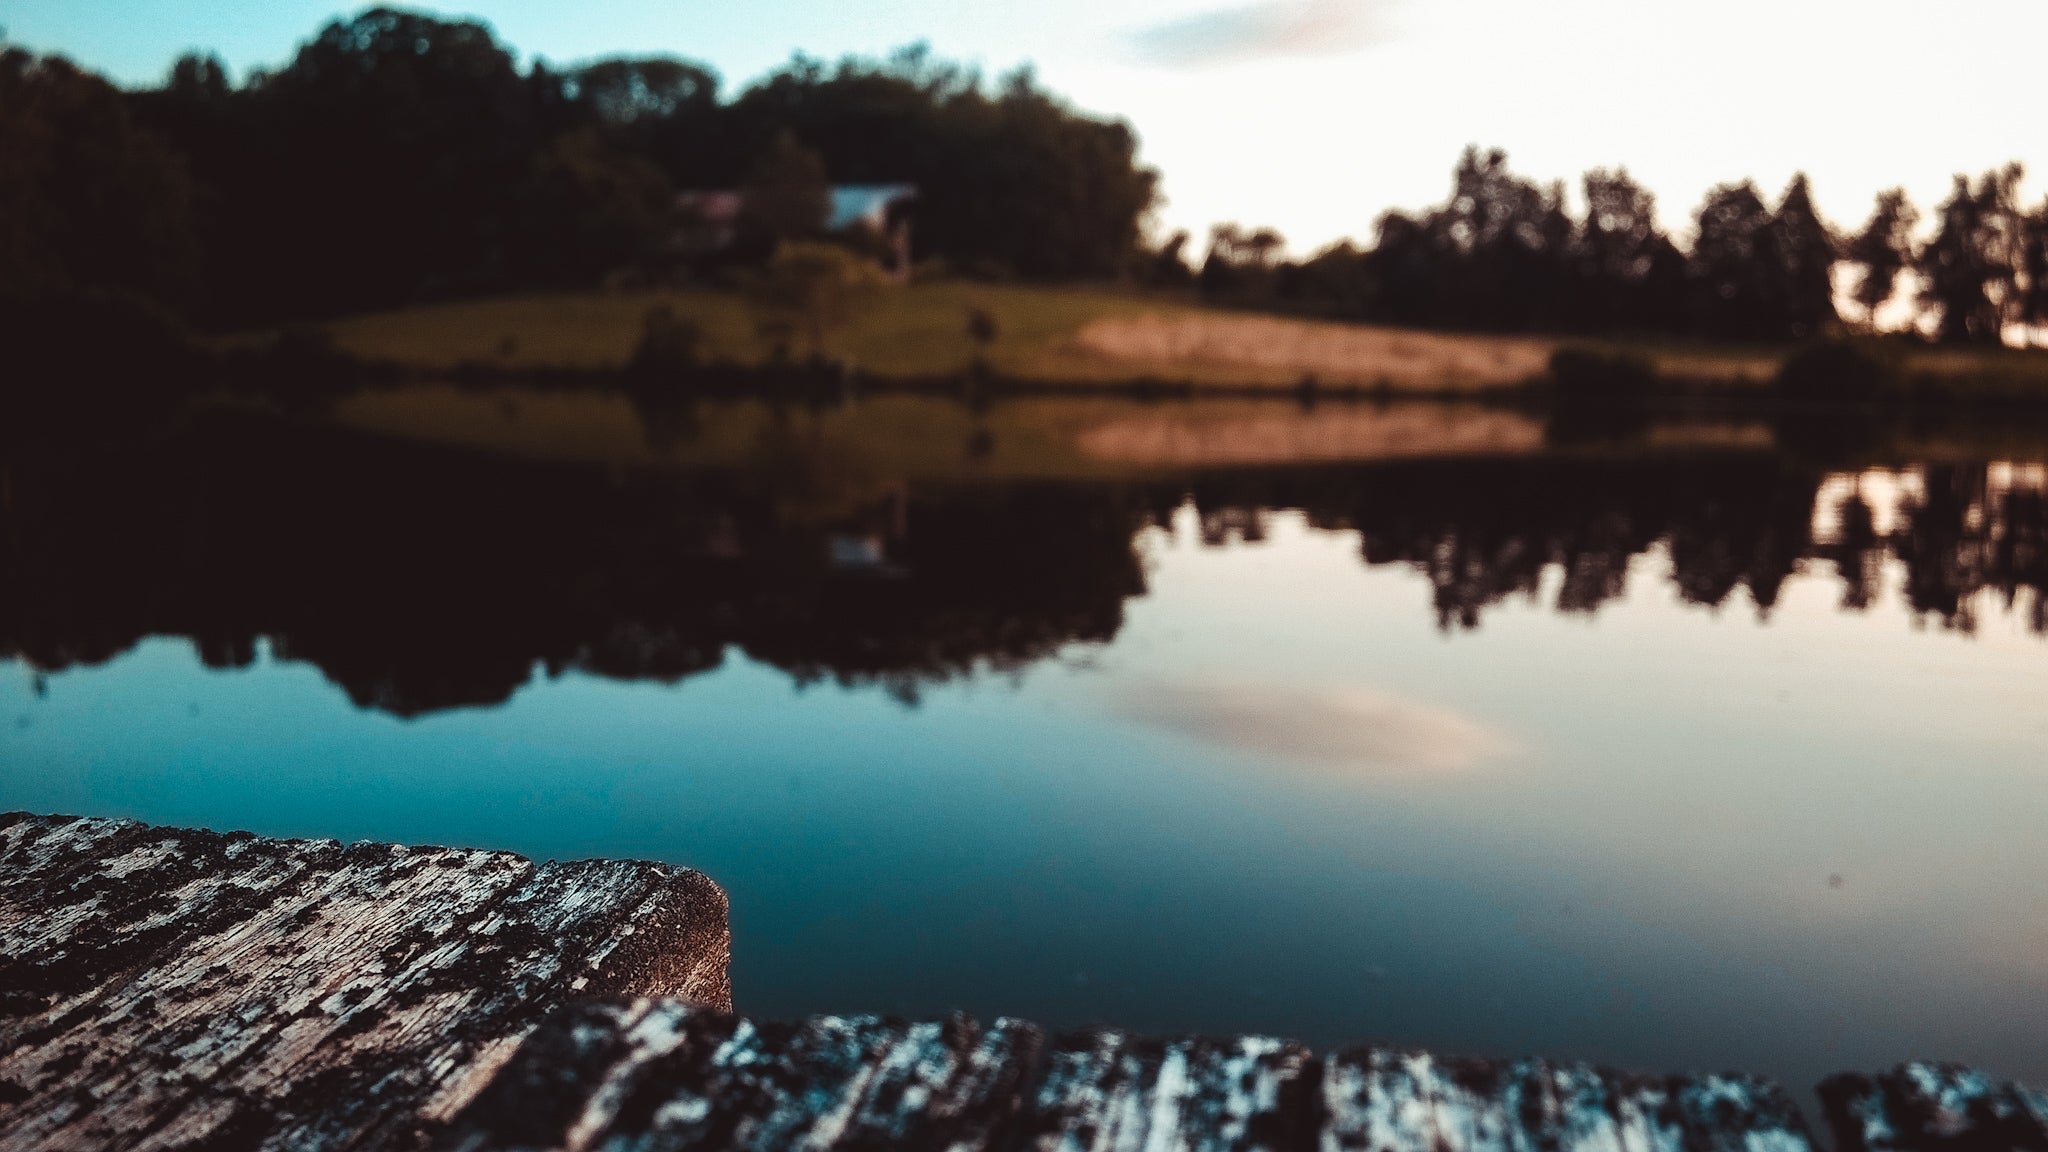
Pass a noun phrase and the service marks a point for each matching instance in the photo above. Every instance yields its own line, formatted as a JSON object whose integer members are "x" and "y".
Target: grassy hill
{"x": 1061, "y": 334}
{"x": 1057, "y": 334}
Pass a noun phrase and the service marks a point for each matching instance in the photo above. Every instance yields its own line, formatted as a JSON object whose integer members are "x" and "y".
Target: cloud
{"x": 1337, "y": 726}
{"x": 1263, "y": 30}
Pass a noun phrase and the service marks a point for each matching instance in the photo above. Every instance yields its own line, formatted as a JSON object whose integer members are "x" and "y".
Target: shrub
{"x": 1584, "y": 374}
{"x": 668, "y": 342}
{"x": 812, "y": 288}
{"x": 1839, "y": 371}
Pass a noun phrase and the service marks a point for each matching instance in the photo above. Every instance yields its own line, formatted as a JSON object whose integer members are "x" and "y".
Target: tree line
{"x": 401, "y": 157}
{"x": 1504, "y": 253}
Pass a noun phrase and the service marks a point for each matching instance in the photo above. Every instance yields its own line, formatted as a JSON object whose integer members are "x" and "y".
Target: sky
{"x": 1314, "y": 116}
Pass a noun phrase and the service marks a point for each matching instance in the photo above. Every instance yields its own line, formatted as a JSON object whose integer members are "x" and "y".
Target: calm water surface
{"x": 1684, "y": 761}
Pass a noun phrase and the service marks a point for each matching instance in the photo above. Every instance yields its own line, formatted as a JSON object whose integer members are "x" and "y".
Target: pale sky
{"x": 1313, "y": 116}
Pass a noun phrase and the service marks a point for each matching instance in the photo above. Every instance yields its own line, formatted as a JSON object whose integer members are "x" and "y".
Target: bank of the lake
{"x": 1071, "y": 335}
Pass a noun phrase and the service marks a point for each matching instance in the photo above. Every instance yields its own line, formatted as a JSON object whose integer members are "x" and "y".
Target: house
{"x": 879, "y": 211}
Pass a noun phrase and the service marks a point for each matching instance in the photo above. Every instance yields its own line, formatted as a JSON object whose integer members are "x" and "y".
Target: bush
{"x": 1583, "y": 374}
{"x": 1839, "y": 371}
{"x": 668, "y": 342}
{"x": 811, "y": 288}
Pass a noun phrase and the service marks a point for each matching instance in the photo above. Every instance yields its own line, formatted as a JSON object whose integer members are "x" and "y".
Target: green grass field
{"x": 921, "y": 330}
{"x": 916, "y": 330}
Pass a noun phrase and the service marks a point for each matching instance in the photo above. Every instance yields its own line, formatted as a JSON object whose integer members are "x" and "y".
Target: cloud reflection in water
{"x": 1353, "y": 726}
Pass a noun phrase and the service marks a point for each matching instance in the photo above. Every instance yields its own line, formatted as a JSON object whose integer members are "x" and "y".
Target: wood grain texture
{"x": 1390, "y": 1101}
{"x": 653, "y": 1075}
{"x": 660, "y": 1076}
{"x": 174, "y": 989}
{"x": 1933, "y": 1107}
{"x": 1107, "y": 1092}
{"x": 171, "y": 989}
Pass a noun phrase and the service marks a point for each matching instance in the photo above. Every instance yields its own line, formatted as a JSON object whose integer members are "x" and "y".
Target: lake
{"x": 1672, "y": 747}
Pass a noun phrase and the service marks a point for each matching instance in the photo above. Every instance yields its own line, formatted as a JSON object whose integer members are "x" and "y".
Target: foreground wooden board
{"x": 1411, "y": 1102}
{"x": 164, "y": 989}
{"x": 1934, "y": 1108}
{"x": 663, "y": 1075}
{"x": 652, "y": 1075}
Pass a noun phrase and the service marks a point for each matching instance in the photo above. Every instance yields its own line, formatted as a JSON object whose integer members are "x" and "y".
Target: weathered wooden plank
{"x": 665, "y": 1076}
{"x": 1411, "y": 1102}
{"x": 662, "y": 1075}
{"x": 176, "y": 988}
{"x": 1108, "y": 1092}
{"x": 1933, "y": 1107}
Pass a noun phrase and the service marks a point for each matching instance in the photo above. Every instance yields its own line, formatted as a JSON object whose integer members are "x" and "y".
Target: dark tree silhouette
{"x": 393, "y": 136}
{"x": 1805, "y": 251}
{"x": 1508, "y": 243}
{"x": 1503, "y": 253}
{"x": 1630, "y": 275}
{"x": 1968, "y": 266}
{"x": 1733, "y": 265}
{"x": 1012, "y": 181}
{"x": 401, "y": 157}
{"x": 89, "y": 201}
{"x": 2033, "y": 304}
{"x": 631, "y": 92}
{"x": 1884, "y": 248}
{"x": 787, "y": 192}
{"x": 1168, "y": 267}
{"x": 1240, "y": 265}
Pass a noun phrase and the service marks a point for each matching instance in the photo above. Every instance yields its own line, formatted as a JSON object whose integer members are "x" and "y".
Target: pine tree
{"x": 2034, "y": 269}
{"x": 1969, "y": 266}
{"x": 1804, "y": 251}
{"x": 1884, "y": 248}
{"x": 1731, "y": 257}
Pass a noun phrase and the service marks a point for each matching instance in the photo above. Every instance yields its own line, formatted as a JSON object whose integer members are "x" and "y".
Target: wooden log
{"x": 1107, "y": 1092}
{"x": 163, "y": 989}
{"x": 656, "y": 1076}
{"x": 665, "y": 1075}
{"x": 1410, "y": 1102}
{"x": 1930, "y": 1107}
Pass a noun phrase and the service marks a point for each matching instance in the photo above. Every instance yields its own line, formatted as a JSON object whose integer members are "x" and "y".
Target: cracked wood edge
{"x": 164, "y": 988}
{"x": 653, "y": 1075}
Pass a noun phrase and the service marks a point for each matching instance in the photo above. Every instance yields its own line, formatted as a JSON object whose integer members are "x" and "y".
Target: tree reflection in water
{"x": 421, "y": 579}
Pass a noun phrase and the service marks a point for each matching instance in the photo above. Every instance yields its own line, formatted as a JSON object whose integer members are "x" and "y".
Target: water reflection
{"x": 1357, "y": 727}
{"x": 1484, "y": 533}
{"x": 420, "y": 579}
{"x": 1254, "y": 771}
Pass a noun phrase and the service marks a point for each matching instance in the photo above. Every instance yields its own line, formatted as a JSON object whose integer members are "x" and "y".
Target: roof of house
{"x": 867, "y": 204}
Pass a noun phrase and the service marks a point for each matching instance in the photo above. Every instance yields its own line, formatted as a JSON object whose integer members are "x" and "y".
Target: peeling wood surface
{"x": 1105, "y": 1092}
{"x": 164, "y": 989}
{"x": 664, "y": 1076}
{"x": 1410, "y": 1102}
{"x": 657, "y": 1075}
{"x": 1934, "y": 1108}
